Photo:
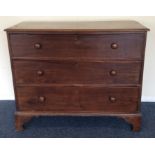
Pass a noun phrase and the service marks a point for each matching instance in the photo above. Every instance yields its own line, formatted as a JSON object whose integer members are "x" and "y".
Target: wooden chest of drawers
{"x": 77, "y": 68}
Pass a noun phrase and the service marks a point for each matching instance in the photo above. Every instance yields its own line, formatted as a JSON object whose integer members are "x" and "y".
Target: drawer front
{"x": 74, "y": 72}
{"x": 78, "y": 99}
{"x": 110, "y": 46}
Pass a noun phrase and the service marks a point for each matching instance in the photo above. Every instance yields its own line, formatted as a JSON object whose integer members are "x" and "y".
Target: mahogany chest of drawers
{"x": 77, "y": 68}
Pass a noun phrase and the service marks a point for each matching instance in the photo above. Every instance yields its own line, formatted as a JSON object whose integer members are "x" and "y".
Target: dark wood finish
{"x": 77, "y": 68}
{"x": 135, "y": 121}
{"x": 20, "y": 121}
{"x": 67, "y": 72}
{"x": 84, "y": 98}
{"x": 89, "y": 26}
{"x": 129, "y": 46}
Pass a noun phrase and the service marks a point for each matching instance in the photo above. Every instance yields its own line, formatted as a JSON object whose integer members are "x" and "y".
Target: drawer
{"x": 76, "y": 72}
{"x": 109, "y": 46}
{"x": 78, "y": 99}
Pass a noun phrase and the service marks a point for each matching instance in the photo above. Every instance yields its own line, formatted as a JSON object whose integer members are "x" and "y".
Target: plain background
{"x": 7, "y": 93}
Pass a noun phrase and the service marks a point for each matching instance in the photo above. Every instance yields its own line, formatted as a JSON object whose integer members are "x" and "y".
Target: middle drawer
{"x": 76, "y": 72}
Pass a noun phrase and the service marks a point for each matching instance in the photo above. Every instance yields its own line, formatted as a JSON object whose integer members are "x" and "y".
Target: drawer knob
{"x": 112, "y": 99}
{"x": 37, "y": 46}
{"x": 42, "y": 99}
{"x": 113, "y": 73}
{"x": 114, "y": 46}
{"x": 40, "y": 72}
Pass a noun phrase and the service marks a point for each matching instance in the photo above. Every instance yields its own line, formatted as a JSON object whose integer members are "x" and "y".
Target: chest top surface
{"x": 90, "y": 26}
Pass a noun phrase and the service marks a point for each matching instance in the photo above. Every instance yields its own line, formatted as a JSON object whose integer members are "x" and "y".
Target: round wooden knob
{"x": 77, "y": 40}
{"x": 113, "y": 73}
{"x": 114, "y": 46}
{"x": 40, "y": 72}
{"x": 42, "y": 99}
{"x": 112, "y": 99}
{"x": 37, "y": 46}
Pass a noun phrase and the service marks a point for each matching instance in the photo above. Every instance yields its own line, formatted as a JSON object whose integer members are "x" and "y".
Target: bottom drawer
{"x": 78, "y": 99}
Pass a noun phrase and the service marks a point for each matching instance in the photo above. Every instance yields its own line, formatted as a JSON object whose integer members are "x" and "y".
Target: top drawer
{"x": 107, "y": 46}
